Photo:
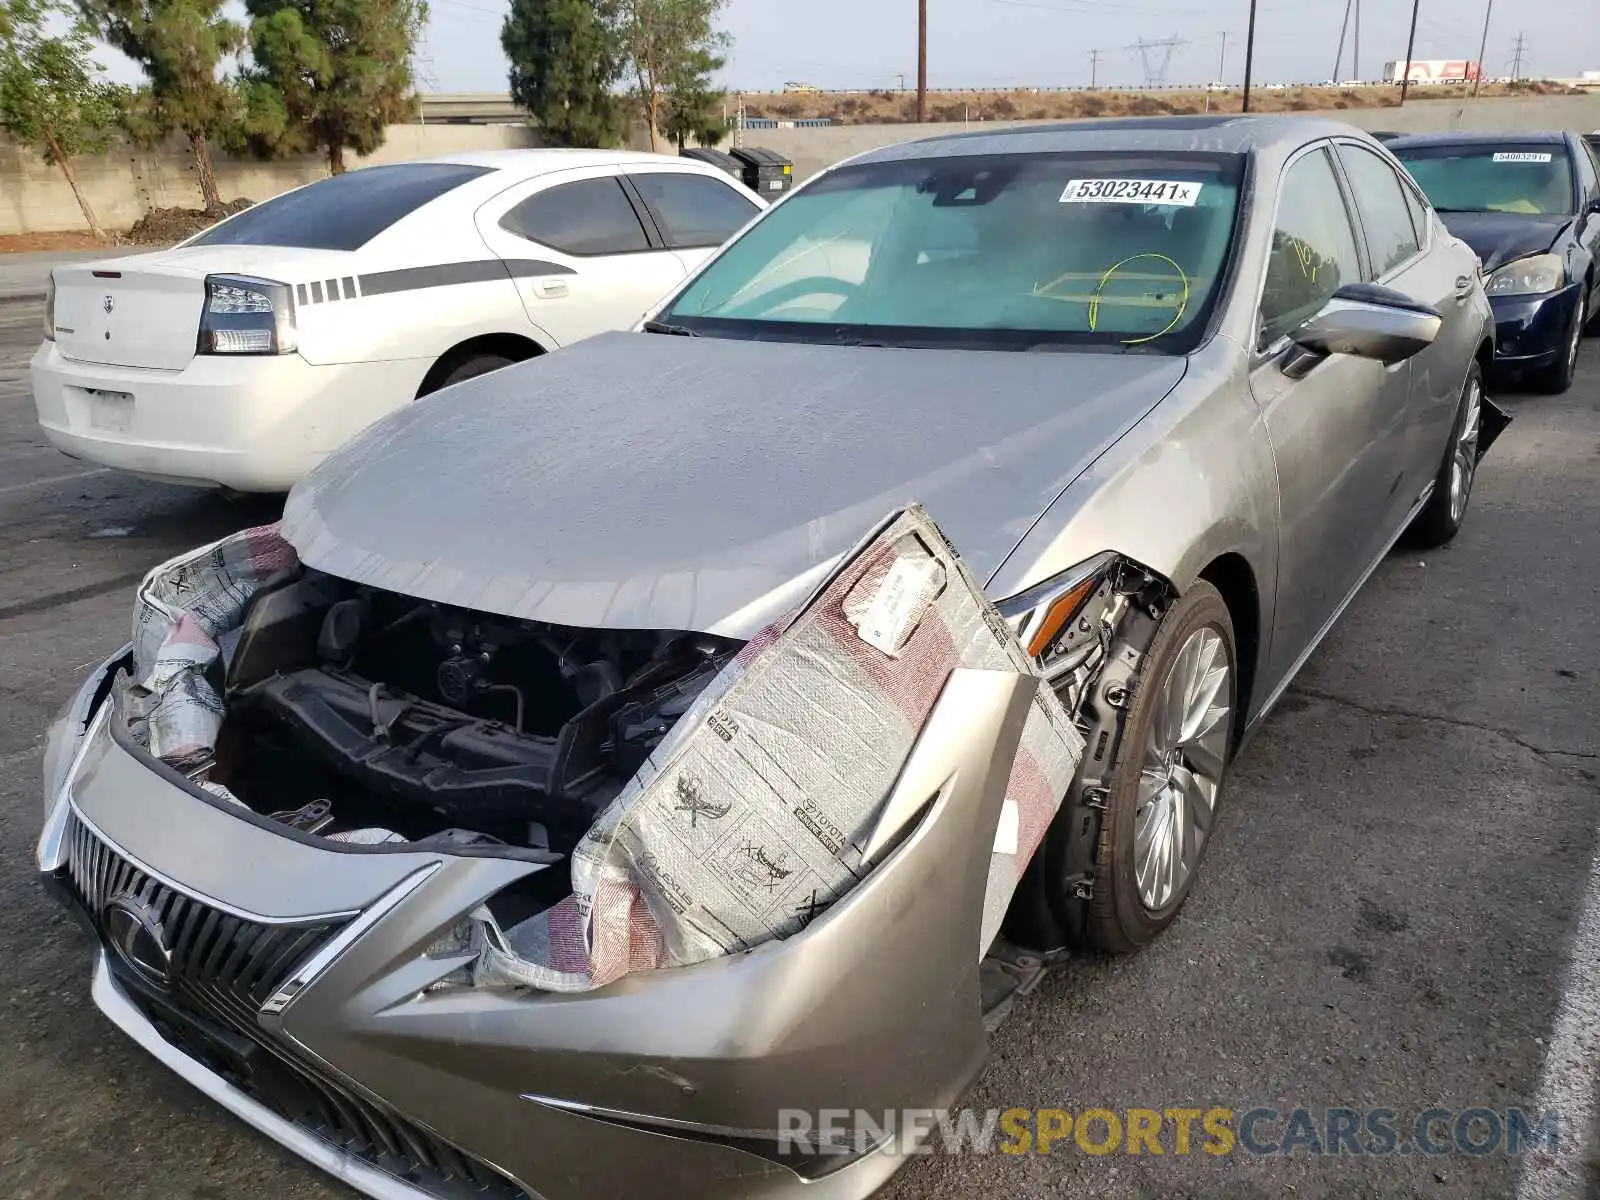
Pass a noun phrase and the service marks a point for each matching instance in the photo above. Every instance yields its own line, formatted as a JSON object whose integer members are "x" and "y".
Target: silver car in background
{"x": 359, "y": 819}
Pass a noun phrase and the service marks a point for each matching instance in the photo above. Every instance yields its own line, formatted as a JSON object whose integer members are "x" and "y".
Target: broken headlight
{"x": 1045, "y": 617}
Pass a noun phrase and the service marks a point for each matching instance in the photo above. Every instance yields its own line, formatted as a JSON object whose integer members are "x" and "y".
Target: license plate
{"x": 111, "y": 412}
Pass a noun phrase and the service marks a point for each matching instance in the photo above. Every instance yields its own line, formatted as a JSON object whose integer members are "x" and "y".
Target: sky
{"x": 1046, "y": 43}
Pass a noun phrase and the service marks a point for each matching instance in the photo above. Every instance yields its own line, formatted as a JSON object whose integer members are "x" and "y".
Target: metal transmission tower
{"x": 1094, "y": 69}
{"x": 1517, "y": 53}
{"x": 1156, "y": 57}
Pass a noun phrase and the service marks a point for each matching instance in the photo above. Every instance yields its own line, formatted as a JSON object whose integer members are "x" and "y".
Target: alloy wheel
{"x": 1464, "y": 460}
{"x": 1185, "y": 754}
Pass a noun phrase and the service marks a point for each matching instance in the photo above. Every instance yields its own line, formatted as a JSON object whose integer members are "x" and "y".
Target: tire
{"x": 468, "y": 368}
{"x": 1445, "y": 513}
{"x": 1592, "y": 329}
{"x": 1196, "y": 637}
{"x": 1557, "y": 377}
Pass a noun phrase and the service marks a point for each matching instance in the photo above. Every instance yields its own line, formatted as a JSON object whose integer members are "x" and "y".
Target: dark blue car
{"x": 1529, "y": 204}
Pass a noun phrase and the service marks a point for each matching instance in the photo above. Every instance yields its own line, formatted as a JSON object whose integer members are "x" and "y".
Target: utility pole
{"x": 1355, "y": 55}
{"x": 1483, "y": 47}
{"x": 1338, "y": 55}
{"x": 1411, "y": 47}
{"x": 1344, "y": 28}
{"x": 1249, "y": 55}
{"x": 922, "y": 60}
{"x": 1516, "y": 59}
{"x": 1094, "y": 69}
{"x": 1222, "y": 61}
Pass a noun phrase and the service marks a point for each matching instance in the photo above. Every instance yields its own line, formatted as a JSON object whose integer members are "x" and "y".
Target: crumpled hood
{"x": 1499, "y": 238}
{"x": 652, "y": 481}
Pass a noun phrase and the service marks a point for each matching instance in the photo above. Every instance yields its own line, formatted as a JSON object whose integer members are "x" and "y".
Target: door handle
{"x": 550, "y": 289}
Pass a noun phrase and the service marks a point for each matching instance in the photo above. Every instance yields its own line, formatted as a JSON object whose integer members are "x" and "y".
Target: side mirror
{"x": 1369, "y": 321}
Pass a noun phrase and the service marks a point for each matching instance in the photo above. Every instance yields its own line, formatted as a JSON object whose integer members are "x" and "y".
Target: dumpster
{"x": 720, "y": 159}
{"x": 765, "y": 171}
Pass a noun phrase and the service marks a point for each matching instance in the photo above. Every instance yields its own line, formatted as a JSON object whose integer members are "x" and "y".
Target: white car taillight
{"x": 50, "y": 309}
{"x": 244, "y": 315}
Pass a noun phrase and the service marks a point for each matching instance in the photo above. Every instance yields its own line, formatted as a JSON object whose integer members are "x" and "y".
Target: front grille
{"x": 222, "y": 968}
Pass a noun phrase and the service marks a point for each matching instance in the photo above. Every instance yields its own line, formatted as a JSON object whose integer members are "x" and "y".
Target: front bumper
{"x": 1532, "y": 331}
{"x": 255, "y": 424}
{"x": 664, "y": 1082}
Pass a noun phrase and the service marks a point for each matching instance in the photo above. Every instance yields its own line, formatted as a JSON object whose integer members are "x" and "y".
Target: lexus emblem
{"x": 108, "y": 304}
{"x": 135, "y": 933}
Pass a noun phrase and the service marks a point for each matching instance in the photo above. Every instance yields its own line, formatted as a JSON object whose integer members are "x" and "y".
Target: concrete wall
{"x": 125, "y": 182}
{"x": 814, "y": 149}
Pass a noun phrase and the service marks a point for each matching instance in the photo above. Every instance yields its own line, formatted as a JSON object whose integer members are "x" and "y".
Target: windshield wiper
{"x": 664, "y": 327}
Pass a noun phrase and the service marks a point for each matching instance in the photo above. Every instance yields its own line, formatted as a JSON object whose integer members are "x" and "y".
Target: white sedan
{"x": 243, "y": 356}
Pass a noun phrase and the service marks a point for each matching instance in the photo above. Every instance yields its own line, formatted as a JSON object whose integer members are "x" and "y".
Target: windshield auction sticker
{"x": 1131, "y": 191}
{"x": 1523, "y": 156}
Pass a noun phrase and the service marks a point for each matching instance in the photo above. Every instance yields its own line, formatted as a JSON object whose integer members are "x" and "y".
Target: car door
{"x": 1588, "y": 215}
{"x": 694, "y": 212}
{"x": 1407, "y": 253}
{"x": 585, "y": 258}
{"x": 1328, "y": 418}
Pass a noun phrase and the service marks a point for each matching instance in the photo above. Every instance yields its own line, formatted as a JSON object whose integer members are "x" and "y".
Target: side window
{"x": 1385, "y": 216}
{"x": 691, "y": 210}
{"x": 592, "y": 216}
{"x": 1313, "y": 250}
{"x": 1419, "y": 212}
{"x": 1592, "y": 152}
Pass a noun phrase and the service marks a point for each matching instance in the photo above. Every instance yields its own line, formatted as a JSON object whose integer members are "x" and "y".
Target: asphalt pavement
{"x": 1385, "y": 920}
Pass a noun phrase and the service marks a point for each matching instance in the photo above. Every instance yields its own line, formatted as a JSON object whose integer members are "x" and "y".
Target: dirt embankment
{"x": 158, "y": 227}
{"x": 882, "y": 107}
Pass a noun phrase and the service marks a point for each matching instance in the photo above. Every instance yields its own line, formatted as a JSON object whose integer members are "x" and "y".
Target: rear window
{"x": 343, "y": 212}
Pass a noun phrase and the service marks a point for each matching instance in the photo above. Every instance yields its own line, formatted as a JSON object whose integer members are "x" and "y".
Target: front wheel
{"x": 1557, "y": 377}
{"x": 1441, "y": 519}
{"x": 1170, "y": 769}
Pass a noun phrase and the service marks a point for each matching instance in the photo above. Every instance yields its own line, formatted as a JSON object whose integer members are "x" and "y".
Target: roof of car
{"x": 531, "y": 162}
{"x": 1540, "y": 137}
{"x": 1220, "y": 133}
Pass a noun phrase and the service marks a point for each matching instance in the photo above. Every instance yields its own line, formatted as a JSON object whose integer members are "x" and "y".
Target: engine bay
{"x": 396, "y": 719}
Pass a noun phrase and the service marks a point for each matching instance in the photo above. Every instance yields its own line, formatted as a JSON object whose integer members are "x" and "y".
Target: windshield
{"x": 994, "y": 252}
{"x": 1531, "y": 179}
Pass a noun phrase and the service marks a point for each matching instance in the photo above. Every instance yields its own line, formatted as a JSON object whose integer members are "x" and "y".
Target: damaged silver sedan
{"x": 609, "y": 756}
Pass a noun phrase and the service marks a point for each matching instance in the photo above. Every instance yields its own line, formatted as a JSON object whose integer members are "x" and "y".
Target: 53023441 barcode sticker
{"x": 1523, "y": 156}
{"x": 1131, "y": 191}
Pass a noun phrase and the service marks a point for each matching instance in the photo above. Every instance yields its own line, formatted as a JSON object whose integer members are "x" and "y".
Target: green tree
{"x": 329, "y": 75}
{"x": 692, "y": 108}
{"x": 179, "y": 44}
{"x": 672, "y": 46}
{"x": 50, "y": 97}
{"x": 566, "y": 58}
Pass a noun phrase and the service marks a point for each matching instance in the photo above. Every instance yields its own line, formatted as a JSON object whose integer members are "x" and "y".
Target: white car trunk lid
{"x": 129, "y": 313}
